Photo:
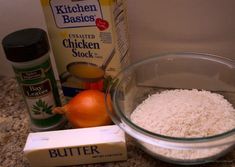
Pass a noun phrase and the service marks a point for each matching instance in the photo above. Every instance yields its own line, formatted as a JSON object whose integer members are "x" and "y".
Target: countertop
{"x": 14, "y": 128}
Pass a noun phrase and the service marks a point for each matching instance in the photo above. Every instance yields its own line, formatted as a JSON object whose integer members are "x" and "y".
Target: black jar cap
{"x": 25, "y": 45}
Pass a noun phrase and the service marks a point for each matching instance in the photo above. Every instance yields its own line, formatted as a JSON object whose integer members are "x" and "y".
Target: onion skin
{"x": 87, "y": 109}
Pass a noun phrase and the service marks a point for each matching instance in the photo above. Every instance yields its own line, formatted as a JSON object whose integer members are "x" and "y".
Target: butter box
{"x": 76, "y": 146}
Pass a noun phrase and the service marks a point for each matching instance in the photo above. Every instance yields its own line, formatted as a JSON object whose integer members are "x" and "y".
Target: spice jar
{"x": 28, "y": 52}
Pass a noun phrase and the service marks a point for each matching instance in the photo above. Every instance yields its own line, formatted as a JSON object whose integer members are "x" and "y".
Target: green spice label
{"x": 40, "y": 99}
{"x": 37, "y": 90}
{"x": 40, "y": 91}
{"x": 36, "y": 74}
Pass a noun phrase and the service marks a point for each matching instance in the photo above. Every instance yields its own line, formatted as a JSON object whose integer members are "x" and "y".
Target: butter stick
{"x": 76, "y": 146}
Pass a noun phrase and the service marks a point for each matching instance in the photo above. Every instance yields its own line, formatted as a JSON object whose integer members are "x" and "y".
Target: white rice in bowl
{"x": 185, "y": 114}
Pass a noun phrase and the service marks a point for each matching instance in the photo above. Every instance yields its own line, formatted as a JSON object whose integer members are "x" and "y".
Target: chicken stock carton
{"x": 89, "y": 39}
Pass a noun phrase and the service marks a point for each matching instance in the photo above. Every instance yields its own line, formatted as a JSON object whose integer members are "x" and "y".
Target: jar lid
{"x": 25, "y": 45}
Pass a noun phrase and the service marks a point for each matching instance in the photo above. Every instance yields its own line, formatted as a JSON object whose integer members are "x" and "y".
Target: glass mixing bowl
{"x": 174, "y": 71}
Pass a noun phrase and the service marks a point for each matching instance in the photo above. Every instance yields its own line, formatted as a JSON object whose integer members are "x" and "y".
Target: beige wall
{"x": 156, "y": 26}
{"x": 159, "y": 26}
